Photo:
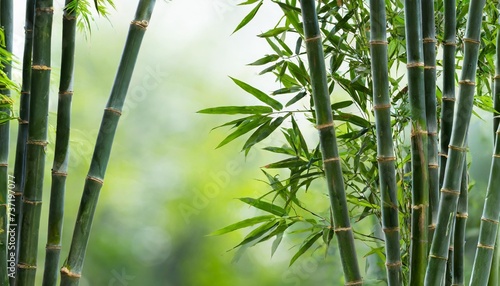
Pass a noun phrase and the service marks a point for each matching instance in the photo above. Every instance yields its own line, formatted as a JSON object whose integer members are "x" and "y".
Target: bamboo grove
{"x": 21, "y": 189}
{"x": 391, "y": 87}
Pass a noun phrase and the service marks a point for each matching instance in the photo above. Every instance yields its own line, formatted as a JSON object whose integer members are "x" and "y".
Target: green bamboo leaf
{"x": 263, "y": 132}
{"x": 305, "y": 246}
{"x": 237, "y": 110}
{"x": 298, "y": 45}
{"x": 265, "y": 206}
{"x": 302, "y": 141}
{"x": 242, "y": 224}
{"x": 341, "y": 104}
{"x": 287, "y": 163}
{"x": 247, "y": 2}
{"x": 286, "y": 48}
{"x": 276, "y": 243}
{"x": 265, "y": 60}
{"x": 244, "y": 128}
{"x": 274, "y": 47}
{"x": 351, "y": 118}
{"x": 273, "y": 32}
{"x": 287, "y": 90}
{"x": 296, "y": 98}
{"x": 258, "y": 94}
{"x": 248, "y": 17}
{"x": 280, "y": 150}
{"x": 298, "y": 73}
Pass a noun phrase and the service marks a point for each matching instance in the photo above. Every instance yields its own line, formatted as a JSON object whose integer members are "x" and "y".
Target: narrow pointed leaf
{"x": 265, "y": 206}
{"x": 237, "y": 110}
{"x": 258, "y": 94}
{"x": 248, "y": 17}
{"x": 242, "y": 224}
{"x": 307, "y": 244}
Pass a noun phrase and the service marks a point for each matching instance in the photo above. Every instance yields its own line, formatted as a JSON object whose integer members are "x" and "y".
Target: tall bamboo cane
{"x": 6, "y": 21}
{"x": 448, "y": 99}
{"x": 494, "y": 275}
{"x": 22, "y": 135}
{"x": 459, "y": 230}
{"x": 456, "y": 154}
{"x": 429, "y": 48}
{"x": 385, "y": 146}
{"x": 489, "y": 223}
{"x": 331, "y": 160}
{"x": 72, "y": 269}
{"x": 61, "y": 154}
{"x": 37, "y": 143}
{"x": 420, "y": 185}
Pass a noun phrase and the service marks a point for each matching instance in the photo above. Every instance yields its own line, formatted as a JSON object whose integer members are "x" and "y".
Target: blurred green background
{"x": 167, "y": 186}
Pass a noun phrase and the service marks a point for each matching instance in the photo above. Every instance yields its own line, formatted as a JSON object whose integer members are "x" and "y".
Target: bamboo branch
{"x": 328, "y": 142}
{"x": 72, "y": 269}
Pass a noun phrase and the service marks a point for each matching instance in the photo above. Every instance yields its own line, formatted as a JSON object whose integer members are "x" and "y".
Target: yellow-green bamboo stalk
{"x": 385, "y": 146}
{"x": 328, "y": 142}
{"x": 452, "y": 179}
{"x": 72, "y": 269}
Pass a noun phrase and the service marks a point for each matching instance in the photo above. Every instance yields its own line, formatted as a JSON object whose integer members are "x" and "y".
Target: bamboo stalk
{"x": 456, "y": 154}
{"x": 459, "y": 233}
{"x": 61, "y": 154}
{"x": 6, "y": 21}
{"x": 494, "y": 275}
{"x": 489, "y": 223}
{"x": 22, "y": 135}
{"x": 72, "y": 269}
{"x": 385, "y": 145}
{"x": 331, "y": 160}
{"x": 36, "y": 143}
{"x": 429, "y": 49}
{"x": 420, "y": 185}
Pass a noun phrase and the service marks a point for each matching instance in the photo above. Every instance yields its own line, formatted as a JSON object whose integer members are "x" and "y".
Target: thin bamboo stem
{"x": 489, "y": 223}
{"x": 419, "y": 149}
{"x": 72, "y": 269}
{"x": 7, "y": 22}
{"x": 36, "y": 143}
{"x": 22, "y": 136}
{"x": 385, "y": 145}
{"x": 328, "y": 142}
{"x": 459, "y": 233}
{"x": 61, "y": 154}
{"x": 452, "y": 179}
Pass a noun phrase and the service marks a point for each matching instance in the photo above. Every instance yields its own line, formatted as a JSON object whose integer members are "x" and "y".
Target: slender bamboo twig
{"x": 429, "y": 48}
{"x": 7, "y": 22}
{"x": 331, "y": 161}
{"x": 459, "y": 233}
{"x": 385, "y": 145}
{"x": 72, "y": 269}
{"x": 22, "y": 135}
{"x": 61, "y": 154}
{"x": 489, "y": 223}
{"x": 420, "y": 185}
{"x": 456, "y": 154}
{"x": 36, "y": 144}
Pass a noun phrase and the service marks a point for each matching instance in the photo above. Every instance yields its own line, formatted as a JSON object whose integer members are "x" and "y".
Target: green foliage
{"x": 345, "y": 32}
{"x": 84, "y": 10}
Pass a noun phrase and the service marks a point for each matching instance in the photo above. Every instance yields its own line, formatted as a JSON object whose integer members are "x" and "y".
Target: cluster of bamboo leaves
{"x": 388, "y": 96}
{"x": 21, "y": 187}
